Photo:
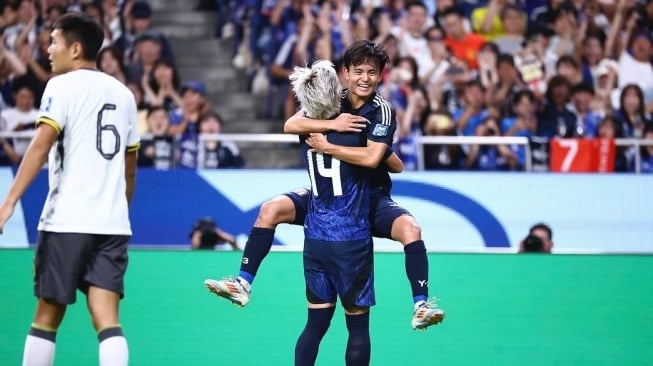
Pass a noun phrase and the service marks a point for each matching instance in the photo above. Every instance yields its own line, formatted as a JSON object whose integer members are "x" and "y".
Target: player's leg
{"x": 103, "y": 283}
{"x": 359, "y": 345}
{"x": 355, "y": 286}
{"x": 40, "y": 342}
{"x": 287, "y": 208}
{"x": 281, "y": 209}
{"x": 391, "y": 221}
{"x": 406, "y": 231}
{"x": 57, "y": 262}
{"x": 317, "y": 324}
{"x": 321, "y": 297}
{"x": 103, "y": 307}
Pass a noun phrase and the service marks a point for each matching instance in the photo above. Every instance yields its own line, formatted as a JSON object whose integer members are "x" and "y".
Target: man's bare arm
{"x": 395, "y": 165}
{"x": 369, "y": 156}
{"x": 34, "y": 159}
{"x": 225, "y": 236}
{"x": 130, "y": 173}
{"x": 35, "y": 156}
{"x": 345, "y": 122}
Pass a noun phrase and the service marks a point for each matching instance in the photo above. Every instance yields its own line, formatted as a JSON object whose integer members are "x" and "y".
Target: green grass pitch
{"x": 502, "y": 309}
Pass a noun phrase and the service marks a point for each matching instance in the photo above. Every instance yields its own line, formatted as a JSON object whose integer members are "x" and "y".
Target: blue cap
{"x": 195, "y": 85}
{"x": 643, "y": 34}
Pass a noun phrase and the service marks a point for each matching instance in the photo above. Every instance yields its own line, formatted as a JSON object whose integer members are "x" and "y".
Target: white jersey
{"x": 95, "y": 116}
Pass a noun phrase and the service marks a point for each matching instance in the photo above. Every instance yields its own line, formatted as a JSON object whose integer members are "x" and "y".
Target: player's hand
{"x": 317, "y": 141}
{"x": 6, "y": 210}
{"x": 346, "y": 122}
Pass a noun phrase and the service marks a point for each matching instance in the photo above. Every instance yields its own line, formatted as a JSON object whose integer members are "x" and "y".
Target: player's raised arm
{"x": 345, "y": 122}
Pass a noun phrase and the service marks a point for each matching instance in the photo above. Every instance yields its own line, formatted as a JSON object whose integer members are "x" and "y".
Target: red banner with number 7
{"x": 582, "y": 155}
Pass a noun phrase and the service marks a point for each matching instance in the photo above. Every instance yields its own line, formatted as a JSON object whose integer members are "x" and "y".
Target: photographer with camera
{"x": 207, "y": 235}
{"x": 490, "y": 157}
{"x": 539, "y": 240}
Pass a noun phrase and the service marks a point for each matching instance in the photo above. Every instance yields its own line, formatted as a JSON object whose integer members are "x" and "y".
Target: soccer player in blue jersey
{"x": 360, "y": 103}
{"x": 338, "y": 260}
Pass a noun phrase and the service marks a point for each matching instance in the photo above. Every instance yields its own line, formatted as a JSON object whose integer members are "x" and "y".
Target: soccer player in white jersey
{"x": 87, "y": 132}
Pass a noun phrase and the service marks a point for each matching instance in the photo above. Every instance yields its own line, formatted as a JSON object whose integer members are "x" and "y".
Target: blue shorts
{"x": 300, "y": 199}
{"x": 339, "y": 269}
{"x": 383, "y": 211}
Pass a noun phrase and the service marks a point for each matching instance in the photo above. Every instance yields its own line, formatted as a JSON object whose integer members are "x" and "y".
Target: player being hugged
{"x": 360, "y": 107}
{"x": 338, "y": 260}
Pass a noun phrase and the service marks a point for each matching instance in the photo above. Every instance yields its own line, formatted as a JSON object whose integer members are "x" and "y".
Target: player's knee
{"x": 103, "y": 307}
{"x": 269, "y": 215}
{"x": 273, "y": 213}
{"x": 406, "y": 230}
{"x": 321, "y": 305}
{"x": 49, "y": 314}
{"x": 356, "y": 310}
{"x": 104, "y": 319}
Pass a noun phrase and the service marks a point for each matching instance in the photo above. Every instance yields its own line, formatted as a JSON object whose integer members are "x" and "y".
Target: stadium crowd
{"x": 538, "y": 69}
{"x": 171, "y": 113}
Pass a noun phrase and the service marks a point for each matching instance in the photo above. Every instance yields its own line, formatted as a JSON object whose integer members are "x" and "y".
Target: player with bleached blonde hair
{"x": 338, "y": 254}
{"x": 361, "y": 107}
{"x": 317, "y": 89}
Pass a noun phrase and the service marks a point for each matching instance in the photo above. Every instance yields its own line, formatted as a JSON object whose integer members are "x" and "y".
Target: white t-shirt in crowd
{"x": 13, "y": 117}
{"x": 632, "y": 71}
{"x": 418, "y": 48}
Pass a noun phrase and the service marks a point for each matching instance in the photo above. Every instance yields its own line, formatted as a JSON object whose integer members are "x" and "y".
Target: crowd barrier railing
{"x": 421, "y": 141}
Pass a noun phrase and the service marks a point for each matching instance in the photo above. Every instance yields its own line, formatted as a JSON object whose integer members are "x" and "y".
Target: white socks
{"x": 114, "y": 351}
{"x": 39, "y": 347}
{"x": 113, "y": 347}
{"x": 38, "y": 351}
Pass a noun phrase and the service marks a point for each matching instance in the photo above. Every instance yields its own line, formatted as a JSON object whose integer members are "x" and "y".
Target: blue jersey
{"x": 382, "y": 123}
{"x": 339, "y": 206}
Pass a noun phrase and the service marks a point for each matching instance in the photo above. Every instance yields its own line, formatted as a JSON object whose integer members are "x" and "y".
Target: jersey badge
{"x": 45, "y": 107}
{"x": 380, "y": 130}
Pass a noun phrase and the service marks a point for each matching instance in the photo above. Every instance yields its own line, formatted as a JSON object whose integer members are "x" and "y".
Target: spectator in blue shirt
{"x": 555, "y": 119}
{"x": 490, "y": 157}
{"x": 522, "y": 122}
{"x": 474, "y": 111}
{"x": 184, "y": 122}
{"x": 587, "y": 121}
